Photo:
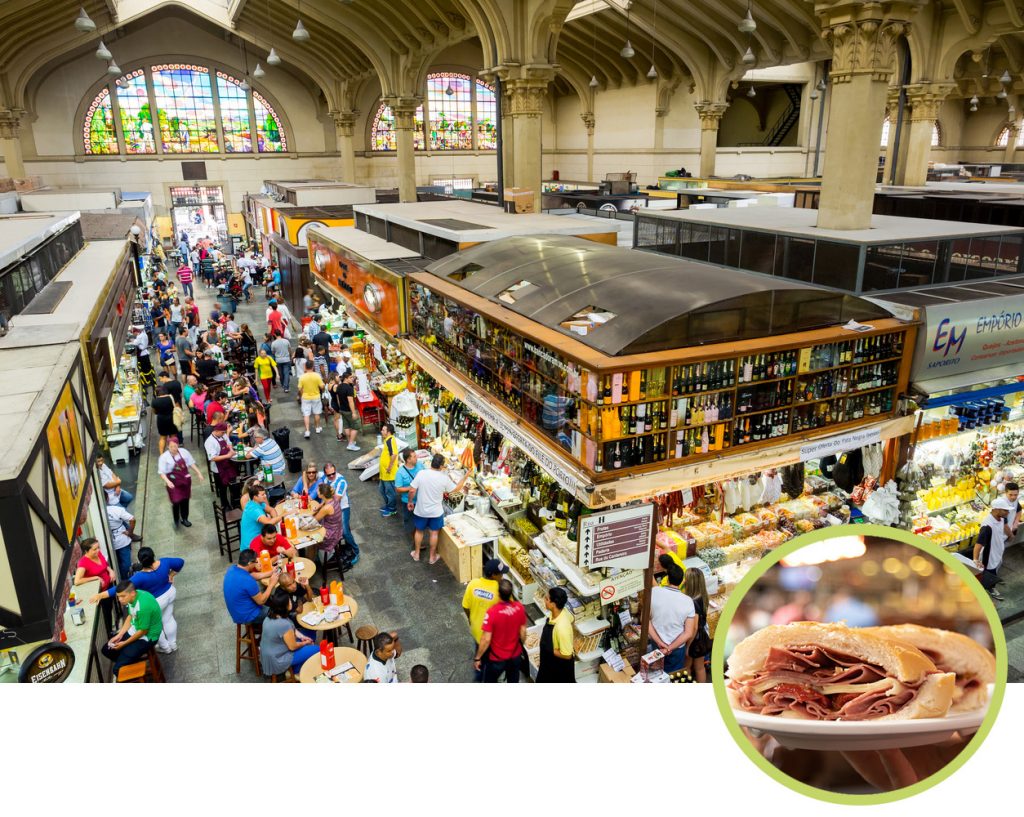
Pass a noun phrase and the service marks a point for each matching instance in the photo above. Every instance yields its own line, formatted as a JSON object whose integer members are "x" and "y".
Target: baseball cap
{"x": 492, "y": 566}
{"x": 1003, "y": 504}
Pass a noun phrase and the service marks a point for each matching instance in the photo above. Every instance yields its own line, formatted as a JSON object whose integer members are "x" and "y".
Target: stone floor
{"x": 422, "y": 602}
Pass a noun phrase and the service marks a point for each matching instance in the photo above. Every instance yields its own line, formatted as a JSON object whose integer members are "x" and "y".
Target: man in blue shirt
{"x": 407, "y": 472}
{"x": 256, "y": 515}
{"x": 267, "y": 451}
{"x": 330, "y": 476}
{"x": 242, "y": 594}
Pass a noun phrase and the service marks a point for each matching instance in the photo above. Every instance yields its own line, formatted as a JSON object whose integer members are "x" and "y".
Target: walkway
{"x": 422, "y": 602}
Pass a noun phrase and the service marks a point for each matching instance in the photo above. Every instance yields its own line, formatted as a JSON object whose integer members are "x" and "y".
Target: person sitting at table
{"x": 339, "y": 484}
{"x": 215, "y": 405}
{"x": 271, "y": 540}
{"x": 307, "y": 479}
{"x": 206, "y": 367}
{"x": 266, "y": 450}
{"x": 381, "y": 667}
{"x": 329, "y": 515}
{"x": 281, "y": 645}
{"x": 242, "y": 593}
{"x": 256, "y": 514}
{"x": 200, "y": 397}
{"x": 140, "y": 629}
{"x": 190, "y": 387}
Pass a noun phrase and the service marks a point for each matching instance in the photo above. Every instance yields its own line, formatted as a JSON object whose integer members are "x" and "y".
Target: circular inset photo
{"x": 859, "y": 664}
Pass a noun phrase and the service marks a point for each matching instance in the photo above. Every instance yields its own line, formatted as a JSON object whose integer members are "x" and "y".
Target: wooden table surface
{"x": 342, "y": 655}
{"x": 324, "y": 626}
{"x": 303, "y": 567}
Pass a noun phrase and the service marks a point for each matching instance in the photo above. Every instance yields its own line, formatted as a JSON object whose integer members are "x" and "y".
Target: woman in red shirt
{"x": 93, "y": 564}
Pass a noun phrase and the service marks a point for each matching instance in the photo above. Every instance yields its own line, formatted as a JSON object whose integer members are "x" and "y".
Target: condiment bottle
{"x": 325, "y": 595}
{"x": 290, "y": 567}
{"x": 304, "y": 501}
{"x": 326, "y": 655}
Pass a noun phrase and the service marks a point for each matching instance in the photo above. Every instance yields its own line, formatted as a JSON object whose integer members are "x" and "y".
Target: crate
{"x": 465, "y": 562}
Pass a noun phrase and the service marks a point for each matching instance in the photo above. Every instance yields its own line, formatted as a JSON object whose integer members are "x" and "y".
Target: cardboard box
{"x": 522, "y": 199}
{"x": 606, "y": 675}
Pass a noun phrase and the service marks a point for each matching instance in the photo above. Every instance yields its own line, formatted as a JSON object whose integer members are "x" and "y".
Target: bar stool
{"x": 365, "y": 636}
{"x": 149, "y": 670}
{"x": 229, "y": 530}
{"x": 198, "y": 425}
{"x": 247, "y": 647}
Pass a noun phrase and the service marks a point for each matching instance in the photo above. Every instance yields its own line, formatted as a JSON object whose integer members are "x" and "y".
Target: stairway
{"x": 789, "y": 117}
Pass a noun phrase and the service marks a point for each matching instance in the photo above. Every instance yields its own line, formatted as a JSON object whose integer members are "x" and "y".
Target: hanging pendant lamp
{"x": 103, "y": 53}
{"x": 751, "y": 93}
{"x": 258, "y": 72}
{"x": 593, "y": 81}
{"x": 114, "y": 69}
{"x": 748, "y": 57}
{"x": 300, "y": 35}
{"x": 748, "y": 25}
{"x": 272, "y": 58}
{"x": 83, "y": 22}
{"x": 652, "y": 73}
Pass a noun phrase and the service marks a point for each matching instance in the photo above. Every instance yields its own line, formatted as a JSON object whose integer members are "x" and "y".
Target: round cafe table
{"x": 303, "y": 567}
{"x": 303, "y": 538}
{"x": 342, "y": 655}
{"x": 331, "y": 628}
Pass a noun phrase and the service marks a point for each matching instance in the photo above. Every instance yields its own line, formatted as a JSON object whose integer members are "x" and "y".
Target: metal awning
{"x": 657, "y": 302}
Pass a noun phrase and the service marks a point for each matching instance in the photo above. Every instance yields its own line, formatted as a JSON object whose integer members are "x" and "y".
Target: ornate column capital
{"x": 525, "y": 87}
{"x": 345, "y": 121}
{"x": 588, "y": 121}
{"x": 710, "y": 113}
{"x": 10, "y": 122}
{"x": 926, "y": 98}
{"x": 404, "y": 110}
{"x": 863, "y": 35}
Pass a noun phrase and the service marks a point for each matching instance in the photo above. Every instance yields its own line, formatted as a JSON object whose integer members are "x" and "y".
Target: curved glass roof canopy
{"x": 621, "y": 302}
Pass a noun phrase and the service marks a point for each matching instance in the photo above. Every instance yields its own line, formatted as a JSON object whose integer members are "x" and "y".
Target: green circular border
{"x": 772, "y": 559}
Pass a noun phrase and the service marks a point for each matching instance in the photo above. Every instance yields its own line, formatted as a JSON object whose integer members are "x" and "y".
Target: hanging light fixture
{"x": 593, "y": 81}
{"x": 1011, "y": 111}
{"x": 449, "y": 91}
{"x": 627, "y": 51}
{"x": 244, "y": 85}
{"x": 593, "y": 55}
{"x": 114, "y": 69}
{"x": 83, "y": 22}
{"x": 258, "y": 72}
{"x": 975, "y": 100}
{"x": 748, "y": 56}
{"x": 1006, "y": 79}
{"x": 751, "y": 93}
{"x": 822, "y": 85}
{"x": 747, "y": 24}
{"x": 652, "y": 72}
{"x": 272, "y": 58}
{"x": 974, "y": 108}
{"x": 300, "y": 35}
{"x": 814, "y": 92}
{"x": 103, "y": 53}
{"x": 1001, "y": 94}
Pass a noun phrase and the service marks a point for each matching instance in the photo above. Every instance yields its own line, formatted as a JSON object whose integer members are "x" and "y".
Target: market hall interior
{"x": 734, "y": 271}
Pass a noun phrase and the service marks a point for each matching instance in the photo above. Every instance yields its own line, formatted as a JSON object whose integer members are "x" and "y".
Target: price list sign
{"x": 620, "y": 538}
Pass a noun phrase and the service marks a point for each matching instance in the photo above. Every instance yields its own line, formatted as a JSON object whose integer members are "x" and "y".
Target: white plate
{"x": 862, "y": 735}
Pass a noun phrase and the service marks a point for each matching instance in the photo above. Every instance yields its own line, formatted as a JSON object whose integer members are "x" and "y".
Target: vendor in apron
{"x": 173, "y": 469}
{"x": 220, "y": 454}
{"x": 556, "y": 642}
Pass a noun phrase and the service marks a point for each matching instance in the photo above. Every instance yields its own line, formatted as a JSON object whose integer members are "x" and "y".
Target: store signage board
{"x": 619, "y": 587}
{"x": 521, "y": 438}
{"x": 843, "y": 442}
{"x": 49, "y": 664}
{"x": 620, "y": 538}
{"x": 970, "y": 336}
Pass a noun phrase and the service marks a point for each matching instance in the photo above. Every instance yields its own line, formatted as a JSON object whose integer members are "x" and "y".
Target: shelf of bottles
{"x": 623, "y": 420}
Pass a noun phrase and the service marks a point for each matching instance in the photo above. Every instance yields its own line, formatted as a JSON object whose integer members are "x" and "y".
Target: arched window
{"x": 459, "y": 114}
{"x": 194, "y": 113}
{"x": 887, "y": 124}
{"x": 1004, "y": 137}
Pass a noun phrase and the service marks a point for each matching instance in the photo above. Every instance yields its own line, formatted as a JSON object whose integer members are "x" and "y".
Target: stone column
{"x": 344, "y": 125}
{"x": 710, "y": 114}
{"x": 863, "y": 37}
{"x": 1011, "y": 140}
{"x": 404, "y": 110}
{"x": 925, "y": 99}
{"x": 10, "y": 142}
{"x": 526, "y": 88}
{"x": 892, "y": 110}
{"x": 588, "y": 122}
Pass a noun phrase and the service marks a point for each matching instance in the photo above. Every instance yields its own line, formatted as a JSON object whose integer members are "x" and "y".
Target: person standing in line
{"x": 140, "y": 629}
{"x": 388, "y": 468}
{"x": 266, "y": 368}
{"x": 410, "y": 467}
{"x": 426, "y": 498}
{"x": 343, "y": 400}
{"x": 122, "y": 529}
{"x": 282, "y": 647}
{"x": 481, "y": 594}
{"x": 556, "y": 641}
{"x": 311, "y": 388}
{"x": 243, "y": 596}
{"x": 156, "y": 577}
{"x": 990, "y": 546}
{"x": 282, "y": 353}
{"x": 381, "y": 667}
{"x": 673, "y": 620}
{"x": 503, "y": 634}
{"x": 173, "y": 468}
{"x": 220, "y": 454}
{"x": 111, "y": 482}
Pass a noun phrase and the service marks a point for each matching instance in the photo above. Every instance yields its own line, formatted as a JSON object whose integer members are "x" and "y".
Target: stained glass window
{"x": 100, "y": 135}
{"x": 136, "y": 118}
{"x": 382, "y": 132}
{"x": 234, "y": 114}
{"x": 486, "y": 114}
{"x": 269, "y": 130}
{"x": 450, "y": 102}
{"x": 1004, "y": 137}
{"x": 184, "y": 102}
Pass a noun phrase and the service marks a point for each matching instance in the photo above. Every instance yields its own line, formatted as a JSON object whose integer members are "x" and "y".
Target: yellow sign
{"x": 67, "y": 458}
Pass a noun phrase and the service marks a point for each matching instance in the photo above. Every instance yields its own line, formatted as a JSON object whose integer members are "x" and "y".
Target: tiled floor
{"x": 422, "y": 602}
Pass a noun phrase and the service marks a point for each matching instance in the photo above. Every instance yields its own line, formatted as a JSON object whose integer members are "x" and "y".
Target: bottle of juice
{"x": 265, "y": 563}
{"x": 341, "y": 593}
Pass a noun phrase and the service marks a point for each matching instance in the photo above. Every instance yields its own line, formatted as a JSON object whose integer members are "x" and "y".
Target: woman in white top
{"x": 173, "y": 468}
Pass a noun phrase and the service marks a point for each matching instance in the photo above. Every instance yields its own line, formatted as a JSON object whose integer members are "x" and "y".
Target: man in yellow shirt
{"x": 311, "y": 387}
{"x": 388, "y": 464}
{"x": 556, "y": 641}
{"x": 482, "y": 594}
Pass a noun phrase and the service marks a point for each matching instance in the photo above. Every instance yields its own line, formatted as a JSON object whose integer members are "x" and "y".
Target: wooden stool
{"x": 289, "y": 677}
{"x": 365, "y": 635}
{"x": 148, "y": 670}
{"x": 247, "y": 647}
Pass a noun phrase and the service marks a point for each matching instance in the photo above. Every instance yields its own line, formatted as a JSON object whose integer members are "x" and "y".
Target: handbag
{"x": 177, "y": 416}
{"x": 701, "y": 643}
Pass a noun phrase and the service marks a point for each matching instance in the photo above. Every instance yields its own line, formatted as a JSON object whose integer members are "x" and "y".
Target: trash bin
{"x": 293, "y": 456}
{"x": 283, "y": 438}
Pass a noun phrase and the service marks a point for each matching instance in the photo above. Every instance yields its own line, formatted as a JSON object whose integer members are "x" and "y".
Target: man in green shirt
{"x": 142, "y": 625}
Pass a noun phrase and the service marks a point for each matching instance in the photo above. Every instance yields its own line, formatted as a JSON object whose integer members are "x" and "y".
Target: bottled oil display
{"x": 617, "y": 420}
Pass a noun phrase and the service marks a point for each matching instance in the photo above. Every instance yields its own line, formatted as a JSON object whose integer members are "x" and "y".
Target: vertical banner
{"x": 67, "y": 458}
